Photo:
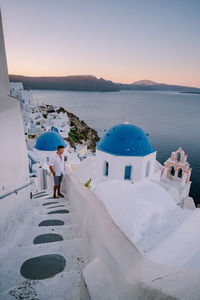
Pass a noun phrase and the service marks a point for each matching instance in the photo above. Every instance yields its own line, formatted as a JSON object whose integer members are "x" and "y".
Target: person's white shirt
{"x": 58, "y": 164}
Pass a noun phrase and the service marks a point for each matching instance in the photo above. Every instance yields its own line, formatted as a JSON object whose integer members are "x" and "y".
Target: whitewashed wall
{"x": 13, "y": 210}
{"x": 117, "y": 165}
{"x": 117, "y": 270}
{"x": 13, "y": 152}
{"x": 14, "y": 171}
{"x": 4, "y": 82}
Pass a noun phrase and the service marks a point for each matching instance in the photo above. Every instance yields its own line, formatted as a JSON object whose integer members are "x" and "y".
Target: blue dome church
{"x": 125, "y": 152}
{"x": 49, "y": 141}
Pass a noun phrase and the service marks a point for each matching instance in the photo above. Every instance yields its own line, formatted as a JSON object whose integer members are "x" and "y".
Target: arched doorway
{"x": 180, "y": 172}
{"x": 172, "y": 171}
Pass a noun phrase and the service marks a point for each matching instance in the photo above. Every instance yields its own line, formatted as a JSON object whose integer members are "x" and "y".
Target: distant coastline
{"x": 67, "y": 83}
{"x": 91, "y": 83}
{"x": 195, "y": 93}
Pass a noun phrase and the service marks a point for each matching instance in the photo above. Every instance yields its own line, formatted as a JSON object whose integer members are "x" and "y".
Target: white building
{"x": 14, "y": 174}
{"x": 16, "y": 89}
{"x": 24, "y": 96}
{"x": 125, "y": 152}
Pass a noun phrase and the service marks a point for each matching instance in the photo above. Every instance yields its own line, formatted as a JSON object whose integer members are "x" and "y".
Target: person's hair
{"x": 60, "y": 147}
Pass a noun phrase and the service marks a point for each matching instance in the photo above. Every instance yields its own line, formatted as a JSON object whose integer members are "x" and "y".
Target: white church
{"x": 125, "y": 153}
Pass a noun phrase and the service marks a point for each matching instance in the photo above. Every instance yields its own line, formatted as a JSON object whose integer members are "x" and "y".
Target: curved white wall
{"x": 13, "y": 152}
{"x": 13, "y": 210}
{"x": 117, "y": 166}
{"x": 14, "y": 171}
{"x": 117, "y": 270}
{"x": 4, "y": 82}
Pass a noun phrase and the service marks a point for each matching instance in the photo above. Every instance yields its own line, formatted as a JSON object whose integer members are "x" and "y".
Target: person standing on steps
{"x": 57, "y": 167}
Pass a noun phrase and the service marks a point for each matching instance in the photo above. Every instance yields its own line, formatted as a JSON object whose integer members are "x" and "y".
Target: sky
{"x": 119, "y": 40}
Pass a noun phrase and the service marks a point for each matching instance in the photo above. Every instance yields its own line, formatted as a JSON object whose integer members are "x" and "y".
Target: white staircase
{"x": 66, "y": 285}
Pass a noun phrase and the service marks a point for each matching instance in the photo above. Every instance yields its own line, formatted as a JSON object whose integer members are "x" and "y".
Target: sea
{"x": 171, "y": 119}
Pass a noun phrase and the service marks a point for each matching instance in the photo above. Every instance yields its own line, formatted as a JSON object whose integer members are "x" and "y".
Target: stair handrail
{"x": 16, "y": 190}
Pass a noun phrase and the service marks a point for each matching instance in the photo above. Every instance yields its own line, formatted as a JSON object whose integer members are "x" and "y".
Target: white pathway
{"x": 66, "y": 285}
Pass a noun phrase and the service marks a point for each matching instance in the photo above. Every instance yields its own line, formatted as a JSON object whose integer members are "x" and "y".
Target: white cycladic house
{"x": 16, "y": 89}
{"x": 125, "y": 153}
{"x": 25, "y": 96}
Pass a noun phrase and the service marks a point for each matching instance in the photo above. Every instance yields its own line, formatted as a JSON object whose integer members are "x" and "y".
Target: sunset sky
{"x": 120, "y": 40}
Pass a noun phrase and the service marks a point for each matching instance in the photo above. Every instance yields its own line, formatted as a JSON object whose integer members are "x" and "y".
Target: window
{"x": 148, "y": 169}
{"x": 180, "y": 173}
{"x": 106, "y": 168}
{"x": 179, "y": 156}
{"x": 172, "y": 171}
{"x": 127, "y": 172}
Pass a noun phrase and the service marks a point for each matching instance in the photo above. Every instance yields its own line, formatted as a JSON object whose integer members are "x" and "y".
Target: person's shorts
{"x": 57, "y": 180}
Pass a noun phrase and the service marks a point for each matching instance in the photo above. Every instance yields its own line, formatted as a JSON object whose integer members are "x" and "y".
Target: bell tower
{"x": 177, "y": 168}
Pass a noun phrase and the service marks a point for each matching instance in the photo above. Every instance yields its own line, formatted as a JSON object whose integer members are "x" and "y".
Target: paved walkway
{"x": 45, "y": 258}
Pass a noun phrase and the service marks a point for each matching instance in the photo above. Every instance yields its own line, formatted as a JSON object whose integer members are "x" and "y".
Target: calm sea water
{"x": 172, "y": 119}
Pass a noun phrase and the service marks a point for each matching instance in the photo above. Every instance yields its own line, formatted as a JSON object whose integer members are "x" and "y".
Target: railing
{"x": 16, "y": 190}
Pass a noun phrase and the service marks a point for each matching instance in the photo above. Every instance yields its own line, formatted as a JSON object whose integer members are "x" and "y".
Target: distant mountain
{"x": 91, "y": 83}
{"x": 73, "y": 83}
{"x": 145, "y": 82}
{"x": 148, "y": 85}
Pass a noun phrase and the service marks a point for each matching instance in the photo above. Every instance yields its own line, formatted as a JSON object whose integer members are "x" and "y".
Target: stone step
{"x": 43, "y": 195}
{"x": 45, "y": 203}
{"x": 71, "y": 250}
{"x": 48, "y": 211}
{"x": 67, "y": 232}
{"x": 63, "y": 257}
{"x": 39, "y": 193}
{"x": 68, "y": 219}
{"x": 64, "y": 286}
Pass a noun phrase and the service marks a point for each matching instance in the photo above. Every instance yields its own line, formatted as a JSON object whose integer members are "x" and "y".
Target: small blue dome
{"x": 49, "y": 141}
{"x": 125, "y": 140}
{"x": 54, "y": 129}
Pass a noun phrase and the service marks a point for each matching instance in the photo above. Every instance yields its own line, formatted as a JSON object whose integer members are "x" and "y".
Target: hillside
{"x": 148, "y": 85}
{"x": 91, "y": 83}
{"x": 145, "y": 82}
{"x": 74, "y": 83}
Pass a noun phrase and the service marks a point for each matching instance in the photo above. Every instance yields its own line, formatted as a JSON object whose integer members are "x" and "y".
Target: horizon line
{"x": 92, "y": 75}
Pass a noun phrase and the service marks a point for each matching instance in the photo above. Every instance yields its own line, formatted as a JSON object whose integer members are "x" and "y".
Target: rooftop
{"x": 125, "y": 140}
{"x": 49, "y": 141}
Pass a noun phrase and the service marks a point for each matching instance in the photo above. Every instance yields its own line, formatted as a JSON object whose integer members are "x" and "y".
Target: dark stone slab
{"x": 41, "y": 196}
{"x": 47, "y": 238}
{"x": 48, "y": 203}
{"x": 42, "y": 267}
{"x": 51, "y": 223}
{"x": 56, "y": 206}
{"x": 60, "y": 211}
{"x": 40, "y": 193}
